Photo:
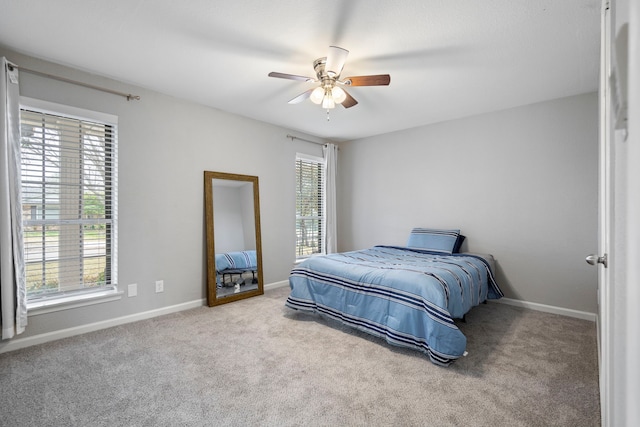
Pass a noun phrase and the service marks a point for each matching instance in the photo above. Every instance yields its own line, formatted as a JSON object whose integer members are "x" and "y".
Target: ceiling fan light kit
{"x": 317, "y": 95}
{"x": 338, "y": 94}
{"x": 329, "y": 92}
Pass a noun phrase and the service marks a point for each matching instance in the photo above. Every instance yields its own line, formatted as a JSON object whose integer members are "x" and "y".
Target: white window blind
{"x": 69, "y": 183}
{"x": 309, "y": 206}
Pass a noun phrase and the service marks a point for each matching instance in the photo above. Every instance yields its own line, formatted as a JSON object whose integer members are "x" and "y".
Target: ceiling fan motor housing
{"x": 328, "y": 70}
{"x": 325, "y": 79}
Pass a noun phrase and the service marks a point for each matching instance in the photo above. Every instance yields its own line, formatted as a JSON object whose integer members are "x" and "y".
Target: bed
{"x": 230, "y": 264}
{"x": 410, "y": 296}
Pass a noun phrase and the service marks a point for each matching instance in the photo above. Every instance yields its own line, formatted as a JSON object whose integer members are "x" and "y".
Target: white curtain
{"x": 330, "y": 170}
{"x": 13, "y": 292}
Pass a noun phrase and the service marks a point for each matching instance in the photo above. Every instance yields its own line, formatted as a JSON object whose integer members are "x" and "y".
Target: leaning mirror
{"x": 234, "y": 253}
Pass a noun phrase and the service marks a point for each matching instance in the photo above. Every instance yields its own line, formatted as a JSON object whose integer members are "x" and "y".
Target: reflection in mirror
{"x": 234, "y": 255}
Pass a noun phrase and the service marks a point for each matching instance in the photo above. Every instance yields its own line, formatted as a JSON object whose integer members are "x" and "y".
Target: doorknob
{"x": 595, "y": 259}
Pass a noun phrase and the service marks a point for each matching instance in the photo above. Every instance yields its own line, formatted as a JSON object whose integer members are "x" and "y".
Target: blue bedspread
{"x": 241, "y": 260}
{"x": 408, "y": 297}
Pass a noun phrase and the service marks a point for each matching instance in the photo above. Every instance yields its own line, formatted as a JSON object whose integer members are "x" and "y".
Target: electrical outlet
{"x": 159, "y": 286}
{"x": 133, "y": 290}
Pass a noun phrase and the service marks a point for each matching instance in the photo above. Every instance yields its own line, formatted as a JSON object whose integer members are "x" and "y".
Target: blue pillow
{"x": 458, "y": 245}
{"x": 443, "y": 241}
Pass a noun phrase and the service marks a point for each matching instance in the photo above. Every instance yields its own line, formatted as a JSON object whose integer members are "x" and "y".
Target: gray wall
{"x": 521, "y": 184}
{"x": 165, "y": 144}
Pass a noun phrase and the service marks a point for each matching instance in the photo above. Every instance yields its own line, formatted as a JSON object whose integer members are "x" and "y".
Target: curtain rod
{"x": 74, "y": 82}
{"x": 292, "y": 137}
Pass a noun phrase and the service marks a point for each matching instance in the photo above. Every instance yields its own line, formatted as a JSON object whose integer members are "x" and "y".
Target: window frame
{"x": 321, "y": 163}
{"x": 61, "y": 300}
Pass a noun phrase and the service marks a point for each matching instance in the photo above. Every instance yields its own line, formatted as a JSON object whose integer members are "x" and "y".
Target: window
{"x": 69, "y": 183}
{"x": 309, "y": 205}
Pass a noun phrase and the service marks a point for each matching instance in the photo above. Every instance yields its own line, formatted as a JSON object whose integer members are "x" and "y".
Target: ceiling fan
{"x": 330, "y": 91}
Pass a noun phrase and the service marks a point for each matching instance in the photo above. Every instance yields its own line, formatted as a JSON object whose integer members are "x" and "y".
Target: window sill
{"x": 50, "y": 305}
{"x": 299, "y": 260}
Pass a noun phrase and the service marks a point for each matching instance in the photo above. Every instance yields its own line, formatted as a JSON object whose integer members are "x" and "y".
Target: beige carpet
{"x": 255, "y": 362}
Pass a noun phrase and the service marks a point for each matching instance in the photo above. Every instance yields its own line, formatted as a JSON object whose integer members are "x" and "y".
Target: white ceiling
{"x": 447, "y": 58}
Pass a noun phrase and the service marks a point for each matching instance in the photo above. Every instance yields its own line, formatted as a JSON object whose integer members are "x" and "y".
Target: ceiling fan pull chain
{"x": 328, "y": 114}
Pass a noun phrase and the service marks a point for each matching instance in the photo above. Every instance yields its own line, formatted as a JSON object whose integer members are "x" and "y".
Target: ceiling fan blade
{"x": 350, "y": 101}
{"x": 376, "y": 80}
{"x": 290, "y": 77}
{"x": 302, "y": 97}
{"x": 335, "y": 60}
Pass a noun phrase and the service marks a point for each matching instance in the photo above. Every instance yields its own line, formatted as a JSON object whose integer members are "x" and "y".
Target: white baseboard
{"x": 275, "y": 285}
{"x": 549, "y": 309}
{"x": 518, "y": 303}
{"x": 18, "y": 343}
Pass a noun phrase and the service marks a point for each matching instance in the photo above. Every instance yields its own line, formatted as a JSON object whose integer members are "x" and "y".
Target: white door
{"x": 605, "y": 190}
{"x": 619, "y": 221}
{"x": 631, "y": 369}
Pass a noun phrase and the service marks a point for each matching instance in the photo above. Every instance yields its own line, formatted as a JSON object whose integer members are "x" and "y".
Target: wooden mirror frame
{"x": 212, "y": 298}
